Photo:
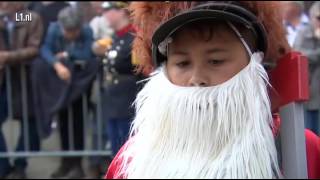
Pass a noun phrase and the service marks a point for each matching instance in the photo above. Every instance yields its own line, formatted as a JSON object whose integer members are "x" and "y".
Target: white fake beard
{"x": 222, "y": 131}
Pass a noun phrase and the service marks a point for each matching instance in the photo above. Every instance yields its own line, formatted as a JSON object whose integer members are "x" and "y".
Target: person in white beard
{"x": 205, "y": 110}
{"x": 198, "y": 127}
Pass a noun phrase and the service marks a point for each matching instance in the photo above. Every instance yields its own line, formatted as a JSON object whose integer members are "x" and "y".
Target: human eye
{"x": 216, "y": 62}
{"x": 183, "y": 64}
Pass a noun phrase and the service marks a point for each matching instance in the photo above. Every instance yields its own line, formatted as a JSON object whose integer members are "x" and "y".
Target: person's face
{"x": 96, "y": 6}
{"x": 316, "y": 21}
{"x": 114, "y": 16}
{"x": 194, "y": 61}
{"x": 72, "y": 34}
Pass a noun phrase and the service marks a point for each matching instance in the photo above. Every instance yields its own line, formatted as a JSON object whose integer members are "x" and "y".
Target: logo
{"x": 23, "y": 17}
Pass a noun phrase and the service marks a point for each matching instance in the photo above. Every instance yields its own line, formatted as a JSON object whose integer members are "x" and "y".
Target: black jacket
{"x": 120, "y": 84}
{"x": 51, "y": 94}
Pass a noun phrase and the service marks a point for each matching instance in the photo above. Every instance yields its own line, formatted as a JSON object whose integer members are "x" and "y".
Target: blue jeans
{"x": 115, "y": 129}
{"x": 312, "y": 121}
{"x": 97, "y": 160}
{"x": 118, "y": 132}
{"x": 34, "y": 140}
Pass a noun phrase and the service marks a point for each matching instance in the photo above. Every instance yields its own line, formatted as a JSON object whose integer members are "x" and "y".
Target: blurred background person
{"x": 87, "y": 10}
{"x": 307, "y": 5}
{"x": 99, "y": 23}
{"x": 119, "y": 81}
{"x": 294, "y": 18}
{"x": 103, "y": 34}
{"x": 69, "y": 40}
{"x": 19, "y": 45}
{"x": 48, "y": 11}
{"x": 308, "y": 42}
{"x": 101, "y": 29}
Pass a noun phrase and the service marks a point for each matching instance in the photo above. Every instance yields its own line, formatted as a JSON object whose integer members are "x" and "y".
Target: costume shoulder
{"x": 313, "y": 154}
{"x": 114, "y": 167}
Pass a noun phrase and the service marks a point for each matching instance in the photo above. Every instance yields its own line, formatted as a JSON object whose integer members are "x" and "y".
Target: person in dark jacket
{"x": 69, "y": 40}
{"x": 119, "y": 79}
{"x": 19, "y": 45}
{"x": 120, "y": 87}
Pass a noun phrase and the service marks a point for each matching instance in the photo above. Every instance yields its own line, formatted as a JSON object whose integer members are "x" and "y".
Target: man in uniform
{"x": 120, "y": 79}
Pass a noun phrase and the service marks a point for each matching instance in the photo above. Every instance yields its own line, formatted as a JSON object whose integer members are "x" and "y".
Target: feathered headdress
{"x": 147, "y": 16}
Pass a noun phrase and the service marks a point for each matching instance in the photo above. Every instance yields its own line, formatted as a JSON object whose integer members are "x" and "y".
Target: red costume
{"x": 148, "y": 16}
{"x": 312, "y": 147}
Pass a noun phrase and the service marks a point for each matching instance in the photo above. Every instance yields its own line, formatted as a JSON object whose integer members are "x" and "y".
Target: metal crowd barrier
{"x": 88, "y": 150}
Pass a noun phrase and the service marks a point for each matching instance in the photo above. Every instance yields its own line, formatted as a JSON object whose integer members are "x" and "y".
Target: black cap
{"x": 228, "y": 11}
